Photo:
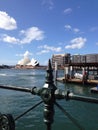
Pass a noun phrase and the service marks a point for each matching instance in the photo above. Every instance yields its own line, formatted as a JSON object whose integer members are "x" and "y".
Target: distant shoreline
{"x": 7, "y": 66}
{"x": 22, "y": 67}
{"x": 30, "y": 67}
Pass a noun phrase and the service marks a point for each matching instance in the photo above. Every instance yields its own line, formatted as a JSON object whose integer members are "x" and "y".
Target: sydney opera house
{"x": 27, "y": 63}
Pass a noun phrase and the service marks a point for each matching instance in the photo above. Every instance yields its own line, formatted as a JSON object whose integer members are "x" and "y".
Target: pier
{"x": 81, "y": 69}
{"x": 77, "y": 81}
{"x": 88, "y": 73}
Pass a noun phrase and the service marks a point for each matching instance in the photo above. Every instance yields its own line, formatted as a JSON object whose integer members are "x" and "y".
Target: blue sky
{"x": 40, "y": 28}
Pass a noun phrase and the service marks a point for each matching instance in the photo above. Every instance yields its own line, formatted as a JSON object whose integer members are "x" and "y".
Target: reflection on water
{"x": 17, "y": 102}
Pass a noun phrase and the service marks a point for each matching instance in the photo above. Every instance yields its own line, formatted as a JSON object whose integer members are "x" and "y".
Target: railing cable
{"x": 69, "y": 116}
{"x": 21, "y": 89}
{"x": 37, "y": 104}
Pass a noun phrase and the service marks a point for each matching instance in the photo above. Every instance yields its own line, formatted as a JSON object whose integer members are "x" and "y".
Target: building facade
{"x": 60, "y": 59}
{"x": 63, "y": 60}
{"x": 87, "y": 58}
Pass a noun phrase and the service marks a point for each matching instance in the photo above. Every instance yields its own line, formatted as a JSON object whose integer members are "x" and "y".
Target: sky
{"x": 40, "y": 28}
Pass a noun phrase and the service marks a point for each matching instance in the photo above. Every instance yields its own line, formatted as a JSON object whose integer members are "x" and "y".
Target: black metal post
{"x": 48, "y": 97}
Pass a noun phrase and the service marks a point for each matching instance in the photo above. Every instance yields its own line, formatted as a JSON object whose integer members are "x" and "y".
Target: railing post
{"x": 49, "y": 97}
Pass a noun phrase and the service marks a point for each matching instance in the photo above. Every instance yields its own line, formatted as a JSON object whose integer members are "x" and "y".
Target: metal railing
{"x": 49, "y": 94}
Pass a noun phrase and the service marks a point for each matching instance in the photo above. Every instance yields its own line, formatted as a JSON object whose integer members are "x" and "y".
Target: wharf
{"x": 79, "y": 81}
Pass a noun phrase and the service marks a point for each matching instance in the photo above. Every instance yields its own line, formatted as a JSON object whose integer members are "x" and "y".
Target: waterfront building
{"x": 78, "y": 58}
{"x": 87, "y": 58}
{"x": 60, "y": 59}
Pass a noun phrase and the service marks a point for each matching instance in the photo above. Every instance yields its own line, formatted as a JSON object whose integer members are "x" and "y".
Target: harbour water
{"x": 15, "y": 102}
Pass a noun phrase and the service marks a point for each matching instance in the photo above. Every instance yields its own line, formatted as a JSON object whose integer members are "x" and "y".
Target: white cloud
{"x": 67, "y": 11}
{"x": 69, "y": 28}
{"x": 9, "y": 39}
{"x": 76, "y": 43}
{"x": 96, "y": 43}
{"x": 76, "y": 30}
{"x": 43, "y": 52}
{"x": 26, "y": 54}
{"x": 7, "y": 22}
{"x": 93, "y": 29}
{"x": 33, "y": 33}
{"x": 48, "y": 3}
{"x": 47, "y": 49}
{"x": 51, "y": 48}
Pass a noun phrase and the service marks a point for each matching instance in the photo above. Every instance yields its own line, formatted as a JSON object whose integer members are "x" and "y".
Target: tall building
{"x": 60, "y": 59}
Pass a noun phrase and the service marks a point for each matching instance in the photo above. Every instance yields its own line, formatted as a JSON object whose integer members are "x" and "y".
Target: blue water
{"x": 15, "y": 102}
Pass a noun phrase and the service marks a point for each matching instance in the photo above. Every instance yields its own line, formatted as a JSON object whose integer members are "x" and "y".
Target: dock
{"x": 79, "y": 81}
{"x": 82, "y": 69}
